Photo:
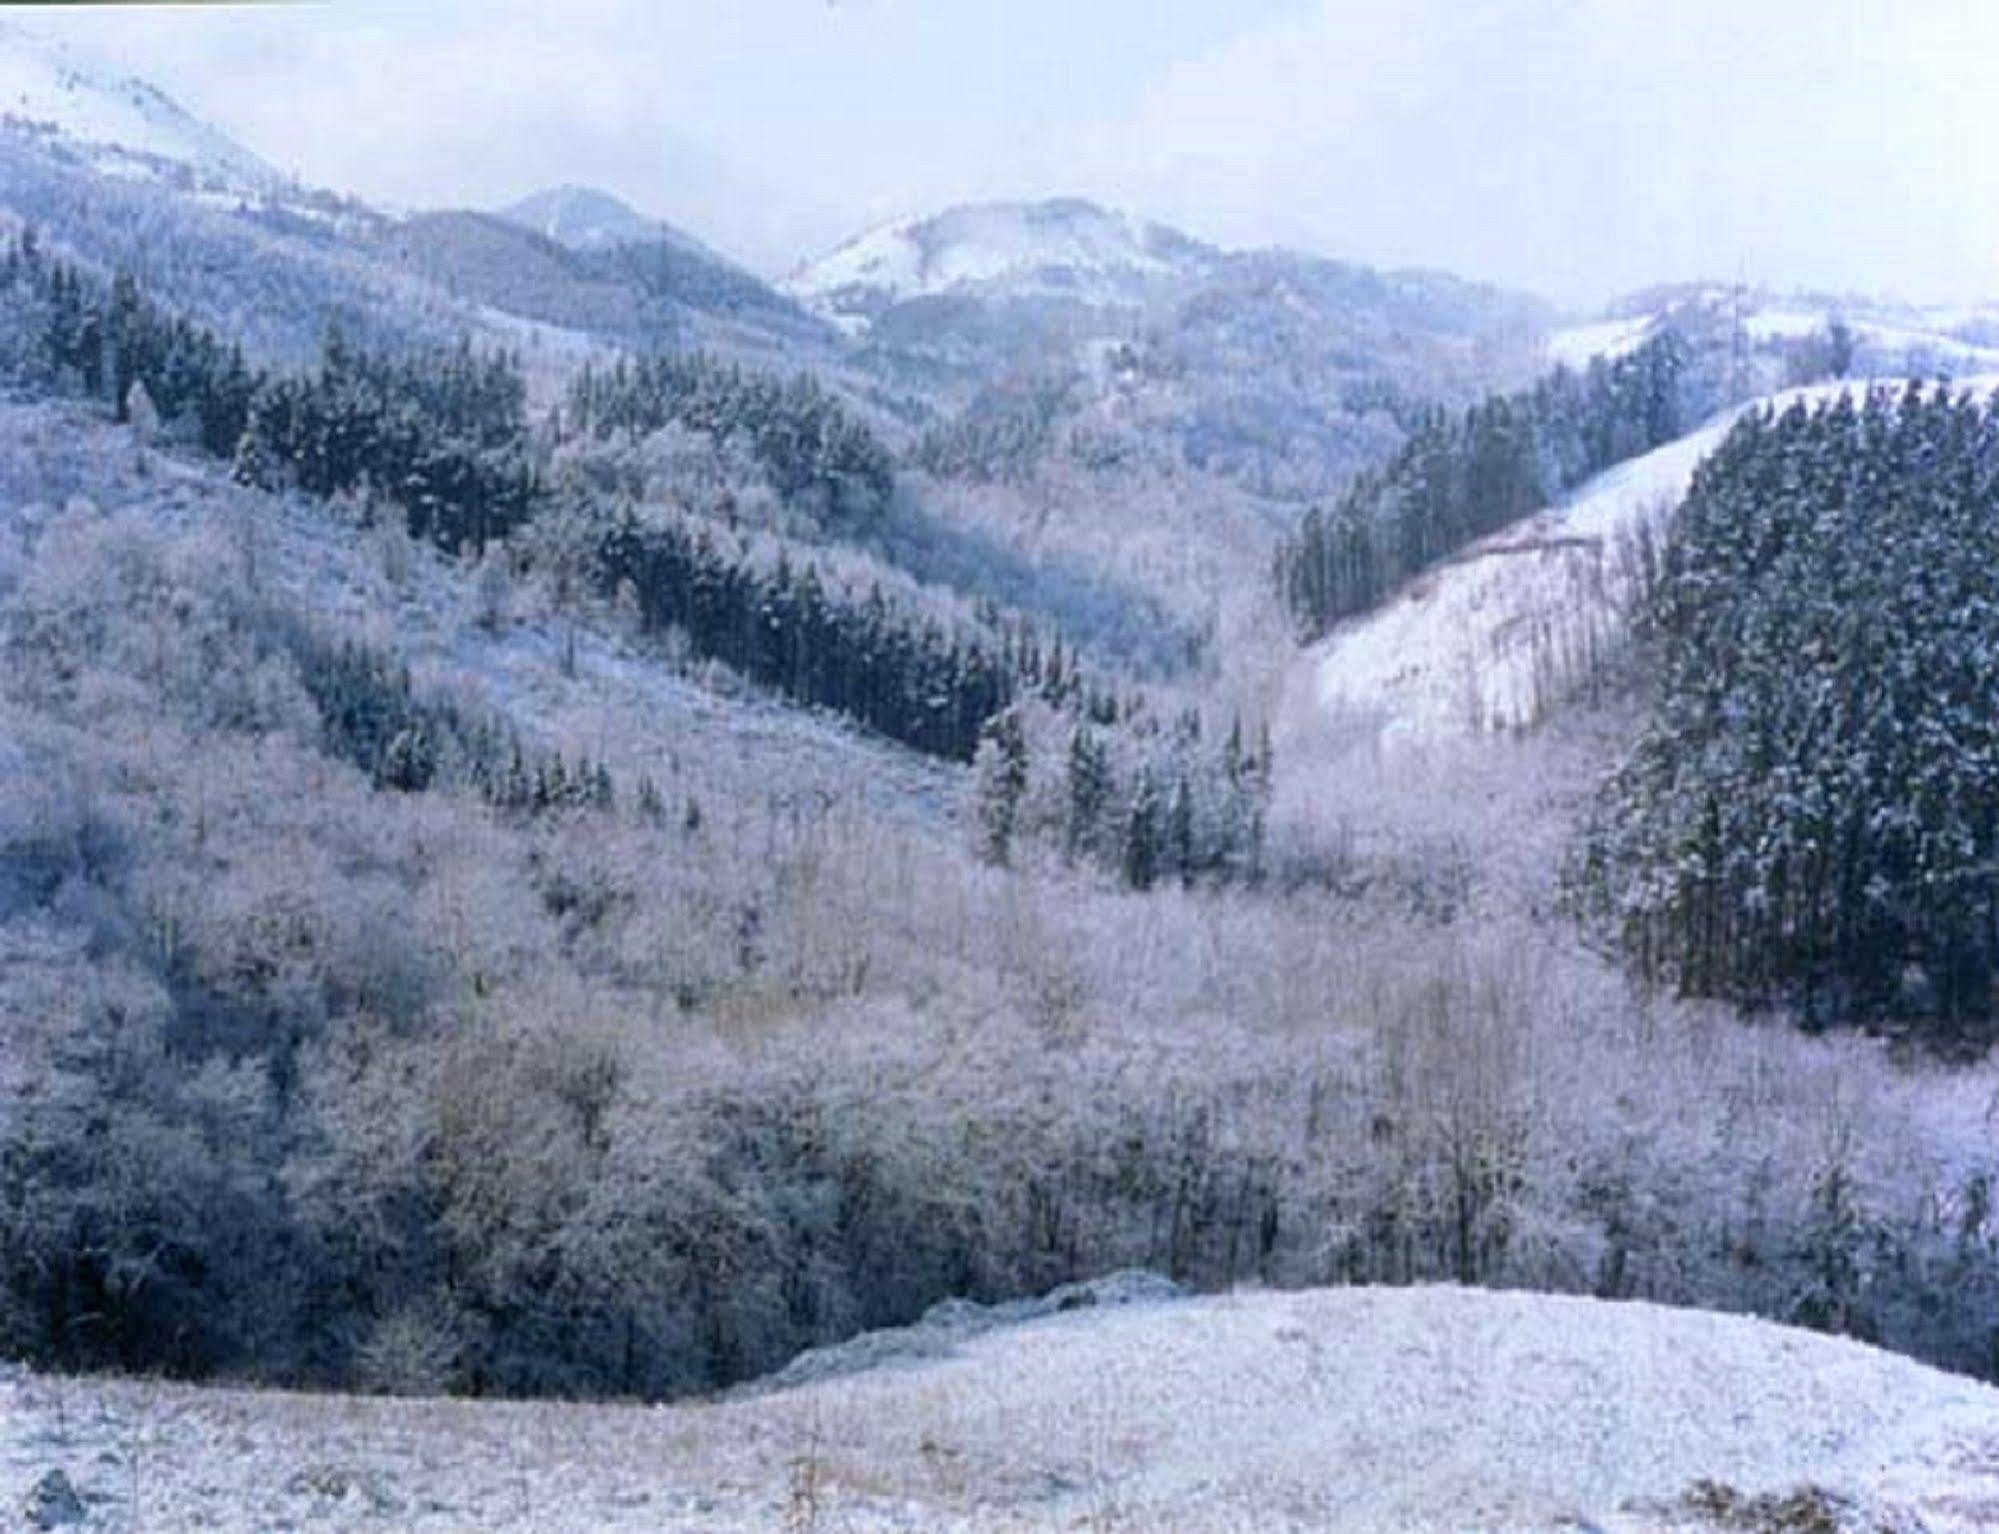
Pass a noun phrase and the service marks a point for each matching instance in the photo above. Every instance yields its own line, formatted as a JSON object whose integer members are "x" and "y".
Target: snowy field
{"x": 1491, "y": 639}
{"x": 1888, "y": 338}
{"x": 1362, "y": 1409}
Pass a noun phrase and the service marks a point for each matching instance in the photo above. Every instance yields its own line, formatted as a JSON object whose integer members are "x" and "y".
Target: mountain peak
{"x": 589, "y": 218}
{"x": 1059, "y": 244}
{"x": 580, "y": 216}
{"x": 49, "y": 91}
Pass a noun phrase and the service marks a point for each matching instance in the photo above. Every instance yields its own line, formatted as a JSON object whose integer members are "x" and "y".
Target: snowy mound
{"x": 125, "y": 123}
{"x": 1045, "y": 246}
{"x": 1413, "y": 1410}
{"x": 1498, "y": 634}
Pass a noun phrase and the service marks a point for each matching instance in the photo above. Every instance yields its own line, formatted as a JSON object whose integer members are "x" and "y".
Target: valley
{"x": 1044, "y": 874}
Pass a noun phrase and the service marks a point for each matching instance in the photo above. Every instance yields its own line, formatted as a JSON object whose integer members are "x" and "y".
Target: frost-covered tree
{"x": 1088, "y": 783}
{"x": 1000, "y": 783}
{"x": 1139, "y": 857}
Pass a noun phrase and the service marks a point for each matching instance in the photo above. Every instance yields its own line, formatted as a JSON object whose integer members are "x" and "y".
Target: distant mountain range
{"x": 998, "y": 340}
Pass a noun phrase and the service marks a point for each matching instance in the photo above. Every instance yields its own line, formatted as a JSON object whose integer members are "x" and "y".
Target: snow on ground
{"x": 1891, "y": 338}
{"x": 1492, "y": 638}
{"x": 1430, "y": 1409}
{"x": 1918, "y": 340}
{"x": 1574, "y": 345}
{"x": 1925, "y": 350}
{"x": 44, "y": 84}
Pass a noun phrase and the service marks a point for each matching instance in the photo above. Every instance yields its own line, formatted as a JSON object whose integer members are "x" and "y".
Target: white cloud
{"x": 1583, "y": 146}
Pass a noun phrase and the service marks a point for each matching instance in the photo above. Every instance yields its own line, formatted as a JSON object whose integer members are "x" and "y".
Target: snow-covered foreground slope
{"x": 1414, "y": 1409}
{"x": 122, "y": 122}
{"x": 1492, "y": 638}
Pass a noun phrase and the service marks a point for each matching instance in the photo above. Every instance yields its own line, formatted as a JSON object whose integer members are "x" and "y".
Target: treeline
{"x": 1811, "y": 813}
{"x": 1150, "y": 807}
{"x": 373, "y": 718}
{"x": 441, "y": 433}
{"x": 67, "y": 332}
{"x": 1461, "y": 477}
{"x": 786, "y": 627}
{"x": 816, "y": 453}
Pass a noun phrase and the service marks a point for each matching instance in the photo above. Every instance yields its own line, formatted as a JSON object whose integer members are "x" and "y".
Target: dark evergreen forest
{"x": 1811, "y": 814}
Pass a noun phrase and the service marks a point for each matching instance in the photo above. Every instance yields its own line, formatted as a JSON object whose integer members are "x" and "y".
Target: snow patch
{"x": 1575, "y": 345}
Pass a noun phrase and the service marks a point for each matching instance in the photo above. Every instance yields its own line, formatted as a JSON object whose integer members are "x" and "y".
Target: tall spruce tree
{"x": 1000, "y": 778}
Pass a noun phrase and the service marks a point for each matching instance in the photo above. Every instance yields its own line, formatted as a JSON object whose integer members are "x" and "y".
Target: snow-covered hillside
{"x": 1574, "y": 345}
{"x": 1888, "y": 338}
{"x": 1060, "y": 246}
{"x": 124, "y": 125}
{"x": 1493, "y": 637}
{"x": 1361, "y": 1409}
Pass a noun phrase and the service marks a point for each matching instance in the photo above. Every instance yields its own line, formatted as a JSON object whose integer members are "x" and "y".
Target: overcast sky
{"x": 1574, "y": 147}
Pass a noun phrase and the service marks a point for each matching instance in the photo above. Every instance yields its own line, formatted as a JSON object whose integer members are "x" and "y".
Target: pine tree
{"x": 1000, "y": 775}
{"x": 1140, "y": 861}
{"x": 1089, "y": 792}
{"x": 1180, "y": 831}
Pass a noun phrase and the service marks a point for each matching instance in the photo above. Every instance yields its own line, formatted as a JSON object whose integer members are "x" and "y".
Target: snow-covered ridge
{"x": 45, "y": 88}
{"x": 1424, "y": 1410}
{"x": 993, "y": 242}
{"x": 1492, "y": 638}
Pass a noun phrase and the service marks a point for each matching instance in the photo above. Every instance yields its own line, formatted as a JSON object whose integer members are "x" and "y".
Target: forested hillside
{"x": 1461, "y": 476}
{"x": 1811, "y": 813}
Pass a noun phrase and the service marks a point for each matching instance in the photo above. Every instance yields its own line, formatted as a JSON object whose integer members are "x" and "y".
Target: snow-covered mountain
{"x": 122, "y": 125}
{"x": 1060, "y": 247}
{"x": 585, "y": 218}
